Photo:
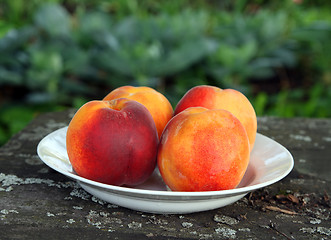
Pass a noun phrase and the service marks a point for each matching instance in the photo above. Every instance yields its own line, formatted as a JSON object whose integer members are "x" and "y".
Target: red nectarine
{"x": 113, "y": 142}
{"x": 156, "y": 103}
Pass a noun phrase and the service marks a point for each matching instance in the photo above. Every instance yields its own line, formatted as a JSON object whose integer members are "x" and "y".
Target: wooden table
{"x": 37, "y": 202}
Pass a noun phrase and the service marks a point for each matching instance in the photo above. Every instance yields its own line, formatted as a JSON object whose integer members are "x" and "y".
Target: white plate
{"x": 269, "y": 163}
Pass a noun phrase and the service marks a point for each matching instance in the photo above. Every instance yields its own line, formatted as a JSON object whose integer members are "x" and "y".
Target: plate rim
{"x": 158, "y": 193}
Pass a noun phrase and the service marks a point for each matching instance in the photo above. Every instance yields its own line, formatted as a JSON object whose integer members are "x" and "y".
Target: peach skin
{"x": 203, "y": 150}
{"x": 113, "y": 142}
{"x": 228, "y": 99}
{"x": 156, "y": 103}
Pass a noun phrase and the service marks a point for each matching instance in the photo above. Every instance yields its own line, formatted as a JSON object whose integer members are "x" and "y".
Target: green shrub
{"x": 66, "y": 52}
{"x": 252, "y": 47}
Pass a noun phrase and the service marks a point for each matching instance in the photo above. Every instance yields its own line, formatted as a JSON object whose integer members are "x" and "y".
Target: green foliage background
{"x": 58, "y": 54}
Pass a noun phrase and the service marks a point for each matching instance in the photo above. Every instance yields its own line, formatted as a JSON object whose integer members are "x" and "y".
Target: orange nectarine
{"x": 203, "y": 150}
{"x": 228, "y": 99}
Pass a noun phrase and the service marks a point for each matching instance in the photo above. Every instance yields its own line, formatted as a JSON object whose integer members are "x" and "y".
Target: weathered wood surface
{"x": 39, "y": 203}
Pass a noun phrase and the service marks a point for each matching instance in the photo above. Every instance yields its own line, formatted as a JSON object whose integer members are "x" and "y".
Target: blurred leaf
{"x": 16, "y": 39}
{"x": 9, "y": 77}
{"x": 260, "y": 103}
{"x": 157, "y": 46}
{"x": 4, "y": 136}
{"x": 21, "y": 115}
{"x": 94, "y": 22}
{"x": 53, "y": 19}
{"x": 252, "y": 47}
{"x": 47, "y": 67}
{"x": 78, "y": 102}
{"x": 95, "y": 27}
{"x": 13, "y": 58}
{"x": 4, "y": 28}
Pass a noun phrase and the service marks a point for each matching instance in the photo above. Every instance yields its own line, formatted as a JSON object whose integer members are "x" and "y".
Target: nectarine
{"x": 228, "y": 99}
{"x": 203, "y": 150}
{"x": 113, "y": 142}
{"x": 156, "y": 103}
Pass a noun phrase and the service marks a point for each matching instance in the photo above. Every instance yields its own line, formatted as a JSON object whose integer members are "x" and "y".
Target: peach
{"x": 203, "y": 150}
{"x": 113, "y": 142}
{"x": 156, "y": 103}
{"x": 228, "y": 99}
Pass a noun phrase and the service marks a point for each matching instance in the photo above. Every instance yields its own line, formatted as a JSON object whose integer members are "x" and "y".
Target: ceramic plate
{"x": 269, "y": 163}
